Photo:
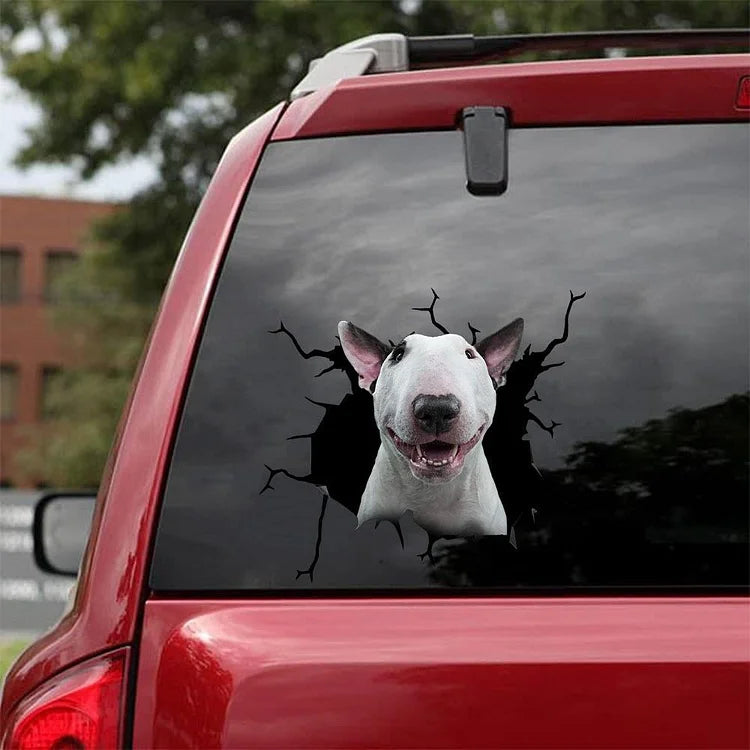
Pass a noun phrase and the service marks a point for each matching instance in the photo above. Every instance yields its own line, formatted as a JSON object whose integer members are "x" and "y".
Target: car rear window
{"x": 619, "y": 442}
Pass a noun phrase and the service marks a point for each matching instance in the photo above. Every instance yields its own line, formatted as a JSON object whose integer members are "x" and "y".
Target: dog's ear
{"x": 365, "y": 353}
{"x": 499, "y": 350}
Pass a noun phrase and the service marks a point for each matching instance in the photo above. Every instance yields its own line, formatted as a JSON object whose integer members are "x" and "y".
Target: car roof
{"x": 631, "y": 90}
{"x": 390, "y": 53}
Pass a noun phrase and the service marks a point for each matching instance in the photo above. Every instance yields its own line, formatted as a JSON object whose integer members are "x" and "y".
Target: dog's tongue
{"x": 436, "y": 450}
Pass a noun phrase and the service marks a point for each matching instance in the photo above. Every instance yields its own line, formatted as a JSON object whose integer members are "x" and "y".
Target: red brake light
{"x": 81, "y": 709}
{"x": 743, "y": 94}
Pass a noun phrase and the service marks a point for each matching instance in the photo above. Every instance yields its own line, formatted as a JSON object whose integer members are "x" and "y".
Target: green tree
{"x": 174, "y": 81}
{"x": 670, "y": 489}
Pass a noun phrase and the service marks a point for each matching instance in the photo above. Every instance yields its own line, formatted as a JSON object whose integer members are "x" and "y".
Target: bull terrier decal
{"x": 434, "y": 400}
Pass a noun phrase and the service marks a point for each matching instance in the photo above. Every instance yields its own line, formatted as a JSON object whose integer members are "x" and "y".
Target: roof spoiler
{"x": 390, "y": 53}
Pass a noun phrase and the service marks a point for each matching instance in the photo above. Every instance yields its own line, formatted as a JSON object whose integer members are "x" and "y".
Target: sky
{"x": 17, "y": 113}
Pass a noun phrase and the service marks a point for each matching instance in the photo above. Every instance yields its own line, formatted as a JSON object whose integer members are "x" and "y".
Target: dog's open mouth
{"x": 435, "y": 454}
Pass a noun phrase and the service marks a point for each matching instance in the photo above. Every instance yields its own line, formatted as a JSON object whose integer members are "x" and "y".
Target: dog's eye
{"x": 470, "y": 354}
{"x": 398, "y": 354}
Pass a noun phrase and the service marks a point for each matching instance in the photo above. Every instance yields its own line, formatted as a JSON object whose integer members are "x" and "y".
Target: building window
{"x": 47, "y": 408}
{"x": 8, "y": 392}
{"x": 57, "y": 263}
{"x": 10, "y": 275}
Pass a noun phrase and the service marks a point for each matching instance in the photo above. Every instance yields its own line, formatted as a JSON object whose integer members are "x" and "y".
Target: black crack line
{"x": 431, "y": 539}
{"x": 274, "y": 472}
{"x": 321, "y": 403}
{"x": 536, "y": 360}
{"x": 311, "y": 570}
{"x": 397, "y": 526}
{"x": 556, "y": 342}
{"x": 547, "y": 428}
{"x": 544, "y": 368}
{"x": 431, "y": 310}
{"x": 306, "y": 355}
{"x": 329, "y": 354}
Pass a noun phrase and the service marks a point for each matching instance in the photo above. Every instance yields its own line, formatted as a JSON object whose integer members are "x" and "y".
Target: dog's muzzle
{"x": 433, "y": 460}
{"x": 436, "y": 414}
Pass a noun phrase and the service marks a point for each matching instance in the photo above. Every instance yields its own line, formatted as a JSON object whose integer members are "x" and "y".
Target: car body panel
{"x": 112, "y": 577}
{"x": 573, "y": 92}
{"x": 559, "y": 672}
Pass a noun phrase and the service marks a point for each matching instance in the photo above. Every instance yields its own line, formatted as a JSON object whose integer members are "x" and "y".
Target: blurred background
{"x": 114, "y": 115}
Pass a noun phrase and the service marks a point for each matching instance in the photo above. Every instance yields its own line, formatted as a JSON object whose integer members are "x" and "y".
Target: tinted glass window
{"x": 57, "y": 263}
{"x": 619, "y": 443}
{"x": 49, "y": 375}
{"x": 8, "y": 392}
{"x": 10, "y": 275}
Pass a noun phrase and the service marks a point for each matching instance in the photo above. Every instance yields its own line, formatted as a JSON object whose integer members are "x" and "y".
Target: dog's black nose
{"x": 435, "y": 414}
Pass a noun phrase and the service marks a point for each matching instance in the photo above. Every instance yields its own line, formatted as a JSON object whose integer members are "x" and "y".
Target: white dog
{"x": 434, "y": 399}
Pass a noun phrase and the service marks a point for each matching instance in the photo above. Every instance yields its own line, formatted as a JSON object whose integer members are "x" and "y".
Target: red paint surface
{"x": 112, "y": 580}
{"x": 573, "y": 92}
{"x": 557, "y": 673}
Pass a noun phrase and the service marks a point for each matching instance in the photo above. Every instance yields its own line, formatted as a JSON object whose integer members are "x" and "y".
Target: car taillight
{"x": 80, "y": 709}
{"x": 743, "y": 94}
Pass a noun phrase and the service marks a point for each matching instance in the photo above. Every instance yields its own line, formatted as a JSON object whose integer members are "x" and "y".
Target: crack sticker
{"x": 433, "y": 426}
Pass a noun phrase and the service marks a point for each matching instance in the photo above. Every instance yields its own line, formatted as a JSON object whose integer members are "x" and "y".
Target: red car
{"x": 514, "y": 512}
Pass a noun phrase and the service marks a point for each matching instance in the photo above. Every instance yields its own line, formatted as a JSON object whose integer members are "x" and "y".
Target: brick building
{"x": 39, "y": 238}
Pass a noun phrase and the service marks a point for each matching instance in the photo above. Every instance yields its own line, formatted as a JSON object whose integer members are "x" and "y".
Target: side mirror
{"x": 61, "y": 529}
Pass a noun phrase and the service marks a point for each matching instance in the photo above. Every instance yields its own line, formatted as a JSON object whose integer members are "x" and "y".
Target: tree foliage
{"x": 174, "y": 81}
{"x": 701, "y": 454}
{"x": 663, "y": 500}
